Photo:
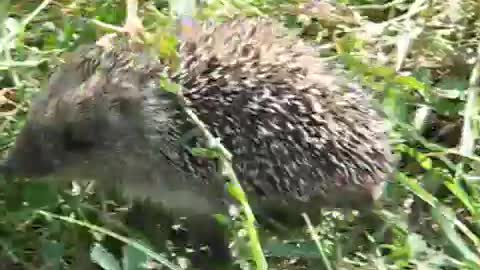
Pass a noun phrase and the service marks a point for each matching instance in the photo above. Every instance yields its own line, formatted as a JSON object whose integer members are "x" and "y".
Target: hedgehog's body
{"x": 297, "y": 130}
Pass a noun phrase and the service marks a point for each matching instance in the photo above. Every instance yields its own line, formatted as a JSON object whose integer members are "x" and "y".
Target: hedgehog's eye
{"x": 74, "y": 143}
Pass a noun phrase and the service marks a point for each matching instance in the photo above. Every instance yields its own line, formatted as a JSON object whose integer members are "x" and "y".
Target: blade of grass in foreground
{"x": 126, "y": 240}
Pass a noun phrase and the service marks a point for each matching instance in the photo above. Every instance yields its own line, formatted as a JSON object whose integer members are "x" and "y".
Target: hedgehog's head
{"x": 90, "y": 112}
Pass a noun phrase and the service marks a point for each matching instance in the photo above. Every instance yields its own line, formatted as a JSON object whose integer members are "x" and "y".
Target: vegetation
{"x": 421, "y": 58}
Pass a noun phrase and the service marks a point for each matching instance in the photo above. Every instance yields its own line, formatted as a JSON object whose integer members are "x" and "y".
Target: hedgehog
{"x": 303, "y": 136}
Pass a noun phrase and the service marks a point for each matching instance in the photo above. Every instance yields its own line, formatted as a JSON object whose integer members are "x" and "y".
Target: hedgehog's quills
{"x": 300, "y": 133}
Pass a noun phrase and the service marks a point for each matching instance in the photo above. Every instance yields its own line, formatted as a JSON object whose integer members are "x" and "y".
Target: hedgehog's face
{"x": 78, "y": 132}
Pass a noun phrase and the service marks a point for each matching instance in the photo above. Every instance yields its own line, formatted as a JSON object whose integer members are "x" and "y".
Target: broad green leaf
{"x": 417, "y": 189}
{"x": 306, "y": 249}
{"x": 411, "y": 82}
{"x": 39, "y": 194}
{"x": 103, "y": 258}
{"x": 447, "y": 107}
{"x": 446, "y": 217}
{"x": 453, "y": 84}
{"x": 395, "y": 104}
{"x": 456, "y": 188}
{"x": 421, "y": 158}
{"x": 53, "y": 253}
{"x": 416, "y": 244}
{"x": 382, "y": 71}
{"x": 133, "y": 259}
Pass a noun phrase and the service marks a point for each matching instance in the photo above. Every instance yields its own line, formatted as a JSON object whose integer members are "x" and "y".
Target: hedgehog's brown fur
{"x": 298, "y": 130}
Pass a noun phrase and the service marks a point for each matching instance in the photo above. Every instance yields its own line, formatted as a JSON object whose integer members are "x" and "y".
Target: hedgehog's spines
{"x": 327, "y": 120}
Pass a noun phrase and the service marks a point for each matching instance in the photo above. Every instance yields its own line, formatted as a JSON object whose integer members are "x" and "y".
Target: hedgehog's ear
{"x": 101, "y": 97}
{"x": 82, "y": 103}
{"x": 80, "y": 112}
{"x": 90, "y": 90}
{"x": 72, "y": 72}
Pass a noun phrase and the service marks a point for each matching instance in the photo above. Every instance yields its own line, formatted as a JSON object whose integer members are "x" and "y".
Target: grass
{"x": 419, "y": 57}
